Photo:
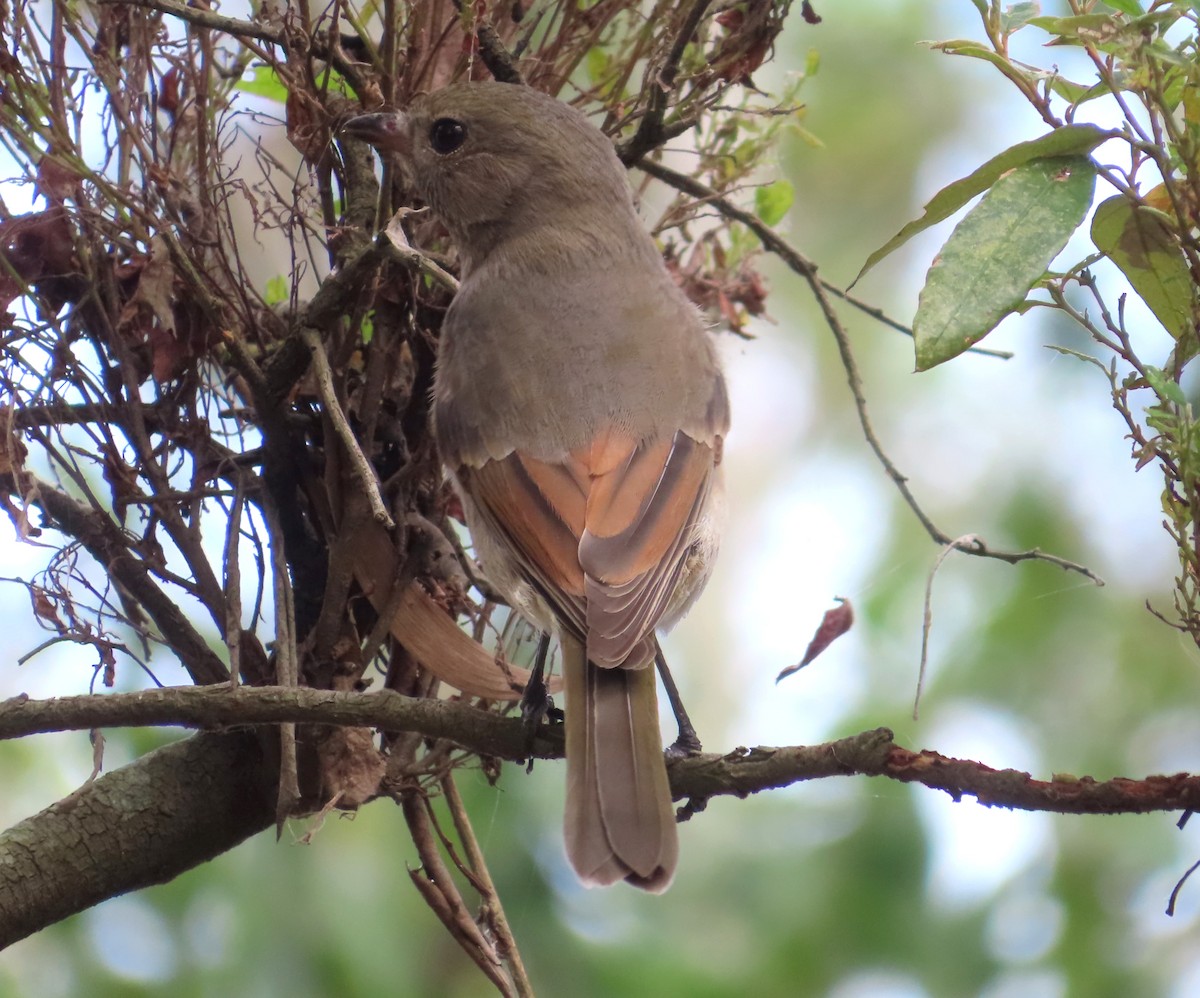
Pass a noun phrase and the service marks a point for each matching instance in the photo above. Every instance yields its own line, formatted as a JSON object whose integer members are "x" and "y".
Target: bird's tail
{"x": 620, "y": 823}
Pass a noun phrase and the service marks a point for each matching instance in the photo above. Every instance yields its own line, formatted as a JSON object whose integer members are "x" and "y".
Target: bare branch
{"x": 737, "y": 773}
{"x": 658, "y": 86}
{"x": 333, "y": 410}
{"x": 107, "y": 543}
{"x": 804, "y": 268}
{"x": 206, "y": 19}
{"x": 492, "y": 910}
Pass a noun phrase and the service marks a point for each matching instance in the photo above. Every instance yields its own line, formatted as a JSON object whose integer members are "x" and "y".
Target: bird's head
{"x": 493, "y": 156}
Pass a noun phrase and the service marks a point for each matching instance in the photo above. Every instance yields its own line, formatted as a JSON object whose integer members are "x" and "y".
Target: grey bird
{"x": 580, "y": 408}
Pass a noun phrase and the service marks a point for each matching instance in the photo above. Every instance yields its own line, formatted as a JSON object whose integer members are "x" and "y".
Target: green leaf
{"x": 598, "y": 63}
{"x": 1071, "y": 140}
{"x": 1165, "y": 387}
{"x": 977, "y": 50}
{"x": 277, "y": 291}
{"x": 998, "y": 252}
{"x": 1078, "y": 355}
{"x": 1182, "y": 354}
{"x": 772, "y": 201}
{"x": 1071, "y": 27}
{"x": 1141, "y": 242}
{"x": 1017, "y": 15}
{"x": 1072, "y": 93}
{"x": 263, "y": 82}
{"x": 1130, "y": 7}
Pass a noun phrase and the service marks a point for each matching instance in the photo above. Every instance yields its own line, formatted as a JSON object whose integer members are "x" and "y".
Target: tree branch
{"x": 738, "y": 773}
{"x": 143, "y": 824}
{"x": 207, "y": 19}
{"x": 183, "y": 804}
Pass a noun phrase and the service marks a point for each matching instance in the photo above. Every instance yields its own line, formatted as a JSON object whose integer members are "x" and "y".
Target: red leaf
{"x": 834, "y": 624}
{"x": 168, "y": 90}
{"x": 44, "y": 607}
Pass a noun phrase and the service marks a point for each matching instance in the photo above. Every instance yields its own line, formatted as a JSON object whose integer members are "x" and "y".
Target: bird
{"x": 580, "y": 410}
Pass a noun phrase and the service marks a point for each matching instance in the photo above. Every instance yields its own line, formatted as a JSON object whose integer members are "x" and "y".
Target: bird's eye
{"x": 446, "y": 135}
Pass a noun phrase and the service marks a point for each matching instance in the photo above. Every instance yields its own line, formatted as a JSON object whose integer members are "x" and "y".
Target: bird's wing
{"x": 603, "y": 533}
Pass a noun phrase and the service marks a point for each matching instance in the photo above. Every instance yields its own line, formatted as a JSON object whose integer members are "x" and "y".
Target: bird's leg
{"x": 688, "y": 742}
{"x": 535, "y": 700}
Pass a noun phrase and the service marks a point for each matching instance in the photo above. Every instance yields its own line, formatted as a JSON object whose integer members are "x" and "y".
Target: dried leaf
{"x": 752, "y": 29}
{"x": 12, "y": 451}
{"x": 836, "y": 622}
{"x": 306, "y": 126}
{"x": 108, "y": 660}
{"x": 40, "y": 249}
{"x": 55, "y": 179}
{"x": 169, "y": 89}
{"x": 174, "y": 329}
{"x": 44, "y": 607}
{"x": 151, "y": 300}
{"x": 351, "y": 766}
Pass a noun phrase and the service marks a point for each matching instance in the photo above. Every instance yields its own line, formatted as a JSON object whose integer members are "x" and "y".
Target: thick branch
{"x": 741, "y": 772}
{"x": 143, "y": 824}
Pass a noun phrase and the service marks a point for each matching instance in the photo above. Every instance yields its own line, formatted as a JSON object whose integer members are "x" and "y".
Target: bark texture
{"x": 143, "y": 824}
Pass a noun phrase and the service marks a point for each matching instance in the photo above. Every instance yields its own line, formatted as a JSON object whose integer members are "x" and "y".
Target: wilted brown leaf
{"x": 39, "y": 248}
{"x": 834, "y": 624}
{"x": 12, "y": 451}
{"x": 168, "y": 90}
{"x": 752, "y": 29}
{"x": 44, "y": 607}
{"x": 734, "y": 294}
{"x": 350, "y": 765}
{"x": 55, "y": 179}
{"x": 108, "y": 660}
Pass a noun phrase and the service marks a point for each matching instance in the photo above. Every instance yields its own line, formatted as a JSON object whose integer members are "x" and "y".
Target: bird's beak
{"x": 385, "y": 130}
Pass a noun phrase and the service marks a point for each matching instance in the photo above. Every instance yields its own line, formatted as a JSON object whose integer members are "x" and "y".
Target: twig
{"x": 659, "y": 83}
{"x": 105, "y": 541}
{"x": 499, "y": 61}
{"x": 287, "y": 666}
{"x": 358, "y": 462}
{"x": 397, "y": 240}
{"x": 493, "y": 910}
{"x": 1179, "y": 887}
{"x": 233, "y": 588}
{"x": 437, "y": 887}
{"x": 776, "y": 244}
{"x": 807, "y": 270}
{"x": 206, "y": 19}
{"x": 927, "y": 617}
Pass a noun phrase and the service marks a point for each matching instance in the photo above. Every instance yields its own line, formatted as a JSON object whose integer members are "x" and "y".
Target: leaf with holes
{"x": 1071, "y": 140}
{"x": 998, "y": 252}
